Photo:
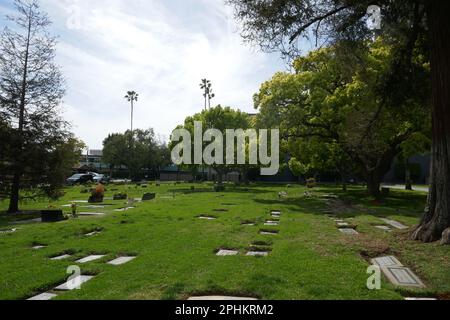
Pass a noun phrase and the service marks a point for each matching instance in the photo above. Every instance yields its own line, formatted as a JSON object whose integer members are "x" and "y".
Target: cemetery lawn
{"x": 175, "y": 250}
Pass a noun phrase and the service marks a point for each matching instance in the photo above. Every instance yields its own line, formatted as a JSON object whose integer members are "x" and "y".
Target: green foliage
{"x": 136, "y": 150}
{"x": 333, "y": 116}
{"x": 220, "y": 118}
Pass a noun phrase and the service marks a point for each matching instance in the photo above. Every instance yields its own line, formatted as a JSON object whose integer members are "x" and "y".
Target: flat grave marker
{"x": 225, "y": 253}
{"x": 93, "y": 233}
{"x": 394, "y": 223}
{"x": 61, "y": 257}
{"x": 120, "y": 261}
{"x": 90, "y": 258}
{"x": 384, "y": 228}
{"x": 207, "y": 218}
{"x": 39, "y": 247}
{"x": 272, "y": 223}
{"x": 69, "y": 285}
{"x": 43, "y": 297}
{"x": 257, "y": 254}
{"x": 268, "y": 233}
{"x": 90, "y": 214}
{"x": 123, "y": 209}
{"x": 388, "y": 261}
{"x": 343, "y": 224}
{"x": 402, "y": 276}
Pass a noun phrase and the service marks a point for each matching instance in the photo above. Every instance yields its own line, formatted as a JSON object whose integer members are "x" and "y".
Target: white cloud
{"x": 161, "y": 49}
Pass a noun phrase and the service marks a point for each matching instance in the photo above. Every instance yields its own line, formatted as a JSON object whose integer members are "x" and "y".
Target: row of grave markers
{"x": 392, "y": 268}
{"x": 81, "y": 279}
{"x": 255, "y": 253}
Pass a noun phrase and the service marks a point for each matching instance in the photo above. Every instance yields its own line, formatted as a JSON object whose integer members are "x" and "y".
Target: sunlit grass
{"x": 309, "y": 258}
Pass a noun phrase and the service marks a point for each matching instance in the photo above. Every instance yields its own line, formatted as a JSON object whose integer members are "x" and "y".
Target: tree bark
{"x": 437, "y": 212}
{"x": 15, "y": 188}
{"x": 408, "y": 182}
{"x": 373, "y": 185}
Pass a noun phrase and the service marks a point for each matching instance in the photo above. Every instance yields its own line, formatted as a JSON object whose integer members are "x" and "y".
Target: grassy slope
{"x": 310, "y": 258}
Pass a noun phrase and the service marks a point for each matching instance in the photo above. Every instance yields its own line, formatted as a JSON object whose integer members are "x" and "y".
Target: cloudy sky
{"x": 159, "y": 48}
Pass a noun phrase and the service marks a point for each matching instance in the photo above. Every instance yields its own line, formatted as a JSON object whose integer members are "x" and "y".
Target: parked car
{"x": 99, "y": 177}
{"x": 80, "y": 178}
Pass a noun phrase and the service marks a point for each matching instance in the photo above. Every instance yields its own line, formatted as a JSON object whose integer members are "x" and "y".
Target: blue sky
{"x": 159, "y": 48}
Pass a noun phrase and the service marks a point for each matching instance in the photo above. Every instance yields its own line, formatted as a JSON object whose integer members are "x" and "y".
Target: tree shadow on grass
{"x": 355, "y": 203}
{"x": 227, "y": 190}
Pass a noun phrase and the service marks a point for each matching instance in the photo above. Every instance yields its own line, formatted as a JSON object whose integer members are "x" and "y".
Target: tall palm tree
{"x": 208, "y": 93}
{"x": 131, "y": 97}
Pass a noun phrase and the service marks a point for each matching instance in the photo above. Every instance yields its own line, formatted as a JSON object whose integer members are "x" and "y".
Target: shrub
{"x": 311, "y": 183}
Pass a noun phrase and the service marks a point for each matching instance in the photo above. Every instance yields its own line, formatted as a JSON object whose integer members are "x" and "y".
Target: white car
{"x": 98, "y": 177}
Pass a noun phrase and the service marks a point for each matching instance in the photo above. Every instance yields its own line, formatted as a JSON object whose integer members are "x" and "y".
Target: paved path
{"x": 402, "y": 187}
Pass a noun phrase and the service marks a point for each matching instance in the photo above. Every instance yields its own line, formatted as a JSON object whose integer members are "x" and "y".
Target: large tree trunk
{"x": 15, "y": 188}
{"x": 373, "y": 185}
{"x": 408, "y": 182}
{"x": 14, "y": 197}
{"x": 437, "y": 213}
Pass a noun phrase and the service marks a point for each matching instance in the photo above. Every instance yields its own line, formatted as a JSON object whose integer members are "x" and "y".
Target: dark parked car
{"x": 80, "y": 179}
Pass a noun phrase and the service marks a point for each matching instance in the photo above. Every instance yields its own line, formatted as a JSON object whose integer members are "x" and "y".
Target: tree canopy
{"x": 136, "y": 151}
{"x": 327, "y": 104}
{"x": 40, "y": 151}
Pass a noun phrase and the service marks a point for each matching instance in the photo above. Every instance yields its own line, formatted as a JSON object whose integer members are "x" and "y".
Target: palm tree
{"x": 131, "y": 97}
{"x": 208, "y": 93}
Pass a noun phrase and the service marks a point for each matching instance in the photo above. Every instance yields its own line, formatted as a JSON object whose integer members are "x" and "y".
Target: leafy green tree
{"x": 220, "y": 118}
{"x": 31, "y": 89}
{"x": 115, "y": 151}
{"x": 335, "y": 103}
{"x": 314, "y": 155}
{"x": 137, "y": 151}
{"x": 412, "y": 26}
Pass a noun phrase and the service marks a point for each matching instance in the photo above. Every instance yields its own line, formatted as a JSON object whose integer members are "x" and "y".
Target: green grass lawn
{"x": 309, "y": 258}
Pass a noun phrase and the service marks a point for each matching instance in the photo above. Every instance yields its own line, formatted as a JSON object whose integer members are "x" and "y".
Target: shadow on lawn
{"x": 228, "y": 189}
{"x": 355, "y": 202}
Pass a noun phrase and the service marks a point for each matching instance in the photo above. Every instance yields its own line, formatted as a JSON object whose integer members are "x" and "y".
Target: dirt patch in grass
{"x": 373, "y": 248}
